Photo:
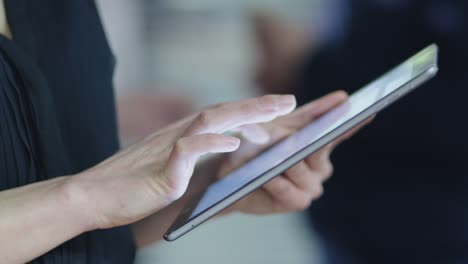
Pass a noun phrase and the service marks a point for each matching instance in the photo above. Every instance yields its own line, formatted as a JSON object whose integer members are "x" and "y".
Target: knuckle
{"x": 203, "y": 119}
{"x": 279, "y": 189}
{"x": 163, "y": 186}
{"x": 248, "y": 109}
{"x": 172, "y": 189}
{"x": 283, "y": 190}
{"x": 181, "y": 146}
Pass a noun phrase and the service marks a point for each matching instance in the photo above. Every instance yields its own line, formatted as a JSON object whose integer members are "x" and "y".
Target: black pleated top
{"x": 57, "y": 111}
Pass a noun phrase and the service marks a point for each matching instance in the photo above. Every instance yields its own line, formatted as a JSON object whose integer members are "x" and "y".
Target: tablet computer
{"x": 360, "y": 106}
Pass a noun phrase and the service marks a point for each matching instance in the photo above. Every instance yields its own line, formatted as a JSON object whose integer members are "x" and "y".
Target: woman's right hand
{"x": 148, "y": 176}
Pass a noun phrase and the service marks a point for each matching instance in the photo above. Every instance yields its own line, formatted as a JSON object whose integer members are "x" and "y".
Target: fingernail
{"x": 287, "y": 100}
{"x": 234, "y": 141}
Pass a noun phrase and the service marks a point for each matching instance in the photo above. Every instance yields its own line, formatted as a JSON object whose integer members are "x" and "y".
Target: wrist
{"x": 77, "y": 203}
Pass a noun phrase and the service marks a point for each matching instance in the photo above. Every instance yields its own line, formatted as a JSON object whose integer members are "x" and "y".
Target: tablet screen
{"x": 280, "y": 152}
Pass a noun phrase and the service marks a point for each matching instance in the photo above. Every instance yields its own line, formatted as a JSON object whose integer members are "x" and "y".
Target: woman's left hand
{"x": 295, "y": 189}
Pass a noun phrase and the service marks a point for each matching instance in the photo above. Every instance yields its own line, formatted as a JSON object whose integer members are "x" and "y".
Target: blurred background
{"x": 399, "y": 191}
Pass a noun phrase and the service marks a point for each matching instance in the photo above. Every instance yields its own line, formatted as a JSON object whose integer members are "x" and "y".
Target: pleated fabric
{"x": 57, "y": 112}
{"x": 17, "y": 147}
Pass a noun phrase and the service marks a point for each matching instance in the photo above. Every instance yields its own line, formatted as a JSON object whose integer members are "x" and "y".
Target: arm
{"x": 38, "y": 217}
{"x": 129, "y": 186}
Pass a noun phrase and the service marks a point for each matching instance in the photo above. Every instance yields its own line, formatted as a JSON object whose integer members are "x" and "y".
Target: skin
{"x": 292, "y": 191}
{"x": 147, "y": 183}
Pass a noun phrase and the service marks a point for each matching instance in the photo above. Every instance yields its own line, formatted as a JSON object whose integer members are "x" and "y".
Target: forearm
{"x": 38, "y": 217}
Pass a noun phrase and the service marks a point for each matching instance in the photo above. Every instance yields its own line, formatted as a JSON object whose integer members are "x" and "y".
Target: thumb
{"x": 185, "y": 154}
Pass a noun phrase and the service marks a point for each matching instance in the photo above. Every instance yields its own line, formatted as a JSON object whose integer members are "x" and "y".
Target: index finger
{"x": 311, "y": 111}
{"x": 224, "y": 117}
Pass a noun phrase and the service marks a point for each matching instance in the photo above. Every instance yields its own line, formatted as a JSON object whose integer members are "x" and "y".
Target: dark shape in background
{"x": 400, "y": 189}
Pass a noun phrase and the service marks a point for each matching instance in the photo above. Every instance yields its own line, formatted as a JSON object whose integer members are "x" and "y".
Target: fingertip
{"x": 233, "y": 142}
{"x": 340, "y": 94}
{"x": 291, "y": 98}
{"x": 288, "y": 103}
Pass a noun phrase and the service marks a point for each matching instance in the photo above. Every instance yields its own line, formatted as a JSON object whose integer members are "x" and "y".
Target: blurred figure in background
{"x": 141, "y": 112}
{"x": 399, "y": 194}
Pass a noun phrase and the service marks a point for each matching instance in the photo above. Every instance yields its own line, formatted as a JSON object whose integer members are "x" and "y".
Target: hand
{"x": 155, "y": 172}
{"x": 296, "y": 188}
